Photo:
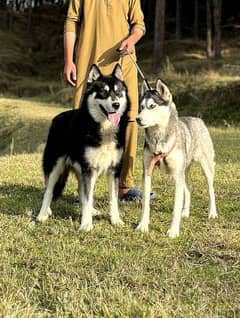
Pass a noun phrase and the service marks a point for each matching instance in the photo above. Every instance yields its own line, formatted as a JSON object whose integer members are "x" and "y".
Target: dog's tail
{"x": 60, "y": 184}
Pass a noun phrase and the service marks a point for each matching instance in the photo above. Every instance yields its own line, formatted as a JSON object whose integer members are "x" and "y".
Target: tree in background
{"x": 178, "y": 19}
{"x": 147, "y": 6}
{"x": 196, "y": 20}
{"x": 159, "y": 34}
{"x": 213, "y": 16}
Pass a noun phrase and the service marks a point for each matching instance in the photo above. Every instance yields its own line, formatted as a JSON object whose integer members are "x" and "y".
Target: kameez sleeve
{"x": 136, "y": 18}
{"x": 73, "y": 16}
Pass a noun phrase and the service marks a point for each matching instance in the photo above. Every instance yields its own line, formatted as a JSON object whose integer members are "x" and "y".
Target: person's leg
{"x": 127, "y": 174}
{"x": 79, "y": 92}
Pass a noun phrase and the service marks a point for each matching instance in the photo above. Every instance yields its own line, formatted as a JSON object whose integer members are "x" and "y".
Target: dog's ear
{"x": 117, "y": 72}
{"x": 163, "y": 91}
{"x": 143, "y": 88}
{"x": 94, "y": 73}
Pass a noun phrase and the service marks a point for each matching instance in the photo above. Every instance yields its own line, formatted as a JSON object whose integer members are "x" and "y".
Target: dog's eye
{"x": 117, "y": 92}
{"x": 152, "y": 106}
{"x": 103, "y": 91}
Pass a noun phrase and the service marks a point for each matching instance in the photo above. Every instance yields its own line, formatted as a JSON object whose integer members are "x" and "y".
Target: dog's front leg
{"x": 87, "y": 188}
{"x": 147, "y": 179}
{"x": 113, "y": 183}
{"x": 178, "y": 205}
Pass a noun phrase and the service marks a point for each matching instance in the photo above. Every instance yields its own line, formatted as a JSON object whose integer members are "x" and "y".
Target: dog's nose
{"x": 138, "y": 120}
{"x": 115, "y": 105}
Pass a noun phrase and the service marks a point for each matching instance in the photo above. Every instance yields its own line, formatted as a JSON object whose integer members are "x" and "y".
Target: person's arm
{"x": 136, "y": 20}
{"x": 70, "y": 31}
{"x": 129, "y": 43}
{"x": 70, "y": 67}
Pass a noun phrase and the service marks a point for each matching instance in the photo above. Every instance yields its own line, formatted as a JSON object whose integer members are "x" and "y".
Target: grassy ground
{"x": 53, "y": 270}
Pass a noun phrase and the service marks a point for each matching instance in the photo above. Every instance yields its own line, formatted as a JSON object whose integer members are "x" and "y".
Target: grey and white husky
{"x": 90, "y": 141}
{"x": 173, "y": 142}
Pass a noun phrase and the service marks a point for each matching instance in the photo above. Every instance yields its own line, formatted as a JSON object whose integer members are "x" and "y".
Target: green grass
{"x": 53, "y": 270}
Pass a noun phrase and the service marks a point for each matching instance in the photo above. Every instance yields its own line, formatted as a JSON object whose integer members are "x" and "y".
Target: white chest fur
{"x": 106, "y": 155}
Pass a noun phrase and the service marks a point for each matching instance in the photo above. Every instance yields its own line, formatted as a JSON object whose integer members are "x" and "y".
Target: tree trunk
{"x": 196, "y": 20}
{"x": 217, "y": 27}
{"x": 209, "y": 29}
{"x": 148, "y": 6}
{"x": 214, "y": 28}
{"x": 159, "y": 33}
{"x": 178, "y": 19}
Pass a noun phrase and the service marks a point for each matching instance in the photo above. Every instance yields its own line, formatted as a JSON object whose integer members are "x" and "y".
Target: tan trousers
{"x": 130, "y": 79}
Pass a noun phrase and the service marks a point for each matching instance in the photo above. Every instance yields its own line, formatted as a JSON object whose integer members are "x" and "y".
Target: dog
{"x": 172, "y": 143}
{"x": 88, "y": 141}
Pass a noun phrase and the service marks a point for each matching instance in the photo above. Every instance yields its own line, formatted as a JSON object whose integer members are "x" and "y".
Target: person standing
{"x": 93, "y": 32}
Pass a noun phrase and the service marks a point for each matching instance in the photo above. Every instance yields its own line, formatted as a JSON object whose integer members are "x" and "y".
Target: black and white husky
{"x": 173, "y": 143}
{"x": 89, "y": 141}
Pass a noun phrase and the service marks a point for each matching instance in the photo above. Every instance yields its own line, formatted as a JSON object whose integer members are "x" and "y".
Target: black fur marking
{"x": 154, "y": 94}
{"x": 59, "y": 186}
{"x": 98, "y": 87}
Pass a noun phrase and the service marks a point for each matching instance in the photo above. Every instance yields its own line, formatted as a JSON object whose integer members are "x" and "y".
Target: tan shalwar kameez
{"x": 101, "y": 26}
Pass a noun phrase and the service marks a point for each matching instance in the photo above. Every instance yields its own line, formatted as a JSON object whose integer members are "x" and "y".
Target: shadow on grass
{"x": 23, "y": 137}
{"x": 22, "y": 200}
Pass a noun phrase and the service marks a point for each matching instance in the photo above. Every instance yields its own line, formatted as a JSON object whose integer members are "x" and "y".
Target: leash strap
{"x": 145, "y": 81}
{"x": 139, "y": 71}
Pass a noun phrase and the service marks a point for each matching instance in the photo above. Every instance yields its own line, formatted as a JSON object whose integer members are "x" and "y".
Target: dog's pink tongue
{"x": 114, "y": 118}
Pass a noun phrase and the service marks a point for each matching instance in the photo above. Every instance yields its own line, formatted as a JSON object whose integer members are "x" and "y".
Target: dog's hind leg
{"x": 187, "y": 197}
{"x": 178, "y": 205}
{"x": 113, "y": 183}
{"x": 208, "y": 166}
{"x": 78, "y": 172}
{"x": 87, "y": 188}
{"x": 46, "y": 211}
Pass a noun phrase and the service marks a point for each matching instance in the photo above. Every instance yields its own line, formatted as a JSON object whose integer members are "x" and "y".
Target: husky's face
{"x": 107, "y": 95}
{"x": 154, "y": 106}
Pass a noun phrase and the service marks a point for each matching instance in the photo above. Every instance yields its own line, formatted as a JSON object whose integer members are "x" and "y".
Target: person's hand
{"x": 127, "y": 45}
{"x": 70, "y": 73}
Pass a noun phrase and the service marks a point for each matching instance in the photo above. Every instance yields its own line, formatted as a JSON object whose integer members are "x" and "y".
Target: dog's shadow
{"x": 18, "y": 199}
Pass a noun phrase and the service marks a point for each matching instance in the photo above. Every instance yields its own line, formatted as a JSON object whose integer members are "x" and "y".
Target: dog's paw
{"x": 95, "y": 212}
{"x": 185, "y": 212}
{"x": 116, "y": 221}
{"x": 213, "y": 214}
{"x": 86, "y": 227}
{"x": 42, "y": 217}
{"x": 173, "y": 232}
{"x": 143, "y": 227}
